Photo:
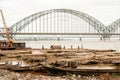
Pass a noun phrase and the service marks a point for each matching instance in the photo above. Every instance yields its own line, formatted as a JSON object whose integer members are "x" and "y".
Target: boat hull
{"x": 65, "y": 71}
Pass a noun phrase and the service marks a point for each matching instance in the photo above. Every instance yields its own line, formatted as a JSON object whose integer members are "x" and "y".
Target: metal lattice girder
{"x": 17, "y": 27}
{"x": 114, "y": 26}
{"x": 2, "y": 30}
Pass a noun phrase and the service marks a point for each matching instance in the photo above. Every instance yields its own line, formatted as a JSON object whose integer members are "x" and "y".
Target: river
{"x": 89, "y": 44}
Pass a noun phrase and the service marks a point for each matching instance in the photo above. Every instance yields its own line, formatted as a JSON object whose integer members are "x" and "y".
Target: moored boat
{"x": 64, "y": 71}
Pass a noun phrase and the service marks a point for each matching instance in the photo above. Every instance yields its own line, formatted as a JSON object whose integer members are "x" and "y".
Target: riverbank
{"x": 64, "y": 58}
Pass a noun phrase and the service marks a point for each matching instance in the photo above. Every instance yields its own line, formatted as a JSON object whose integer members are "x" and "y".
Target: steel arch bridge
{"x": 63, "y": 22}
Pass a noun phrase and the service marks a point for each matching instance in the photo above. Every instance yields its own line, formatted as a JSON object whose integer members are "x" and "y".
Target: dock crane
{"x": 9, "y": 44}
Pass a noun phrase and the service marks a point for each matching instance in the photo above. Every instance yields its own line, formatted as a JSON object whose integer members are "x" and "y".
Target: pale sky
{"x": 105, "y": 11}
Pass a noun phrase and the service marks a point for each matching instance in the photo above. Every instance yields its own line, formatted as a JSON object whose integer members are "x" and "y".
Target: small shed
{"x": 55, "y": 47}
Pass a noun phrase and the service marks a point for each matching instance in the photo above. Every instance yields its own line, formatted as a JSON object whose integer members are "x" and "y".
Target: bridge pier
{"x": 101, "y": 38}
{"x": 80, "y": 38}
{"x": 105, "y": 37}
{"x": 58, "y": 38}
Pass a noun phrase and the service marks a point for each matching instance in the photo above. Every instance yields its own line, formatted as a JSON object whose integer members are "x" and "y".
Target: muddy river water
{"x": 93, "y": 44}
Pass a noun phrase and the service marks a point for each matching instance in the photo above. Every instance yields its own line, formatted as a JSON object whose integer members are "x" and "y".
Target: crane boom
{"x": 9, "y": 44}
{"x": 9, "y": 40}
{"x": 5, "y": 26}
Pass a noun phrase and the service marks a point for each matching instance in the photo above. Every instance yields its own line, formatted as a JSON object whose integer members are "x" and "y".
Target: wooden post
{"x": 81, "y": 46}
{"x": 78, "y": 47}
{"x": 42, "y": 47}
{"x": 64, "y": 47}
{"x": 71, "y": 47}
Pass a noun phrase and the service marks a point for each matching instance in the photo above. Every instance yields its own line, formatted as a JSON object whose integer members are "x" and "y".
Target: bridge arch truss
{"x": 58, "y": 22}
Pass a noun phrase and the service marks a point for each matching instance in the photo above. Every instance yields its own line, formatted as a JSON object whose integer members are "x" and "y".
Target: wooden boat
{"x": 3, "y": 63}
{"x": 65, "y": 71}
{"x": 20, "y": 67}
{"x": 16, "y": 67}
{"x": 8, "y": 66}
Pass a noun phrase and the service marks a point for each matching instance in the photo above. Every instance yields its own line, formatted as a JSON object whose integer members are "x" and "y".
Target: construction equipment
{"x": 9, "y": 44}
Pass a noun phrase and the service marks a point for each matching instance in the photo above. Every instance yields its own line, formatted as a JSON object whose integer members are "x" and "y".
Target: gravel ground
{"x": 10, "y": 75}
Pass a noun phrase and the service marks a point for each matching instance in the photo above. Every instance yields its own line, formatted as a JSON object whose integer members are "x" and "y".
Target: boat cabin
{"x": 12, "y": 46}
{"x": 3, "y": 45}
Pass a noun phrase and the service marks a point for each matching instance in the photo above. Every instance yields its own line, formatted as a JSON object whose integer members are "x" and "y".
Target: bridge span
{"x": 62, "y": 22}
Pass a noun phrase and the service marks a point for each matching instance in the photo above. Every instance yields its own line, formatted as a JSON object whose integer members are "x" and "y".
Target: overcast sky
{"x": 105, "y": 11}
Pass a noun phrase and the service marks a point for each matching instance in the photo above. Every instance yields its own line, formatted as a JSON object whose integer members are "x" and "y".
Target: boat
{"x": 21, "y": 67}
{"x": 8, "y": 65}
{"x": 3, "y": 63}
{"x": 64, "y": 71}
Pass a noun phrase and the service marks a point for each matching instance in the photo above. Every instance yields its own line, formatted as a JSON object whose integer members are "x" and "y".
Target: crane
{"x": 9, "y": 44}
{"x": 9, "y": 40}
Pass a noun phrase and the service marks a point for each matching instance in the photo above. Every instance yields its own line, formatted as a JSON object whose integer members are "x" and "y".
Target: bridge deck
{"x": 62, "y": 33}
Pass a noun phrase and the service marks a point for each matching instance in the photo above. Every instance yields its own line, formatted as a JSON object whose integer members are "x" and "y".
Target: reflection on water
{"x": 97, "y": 66}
